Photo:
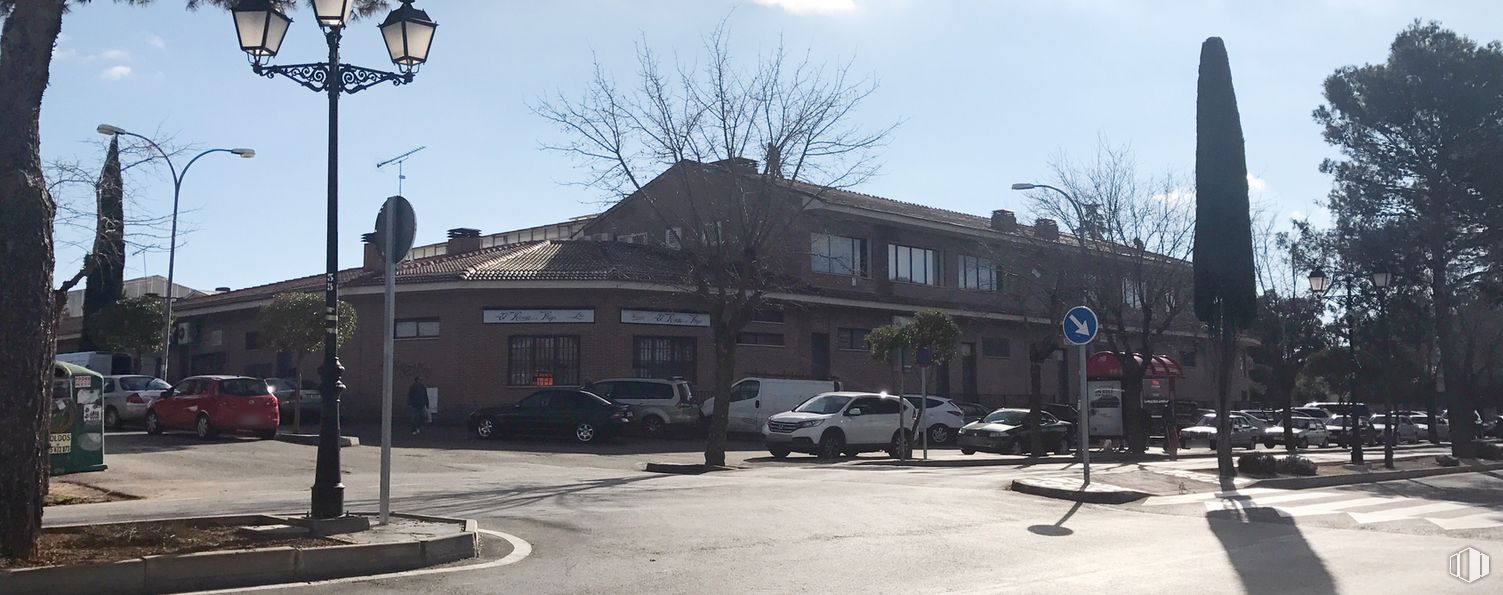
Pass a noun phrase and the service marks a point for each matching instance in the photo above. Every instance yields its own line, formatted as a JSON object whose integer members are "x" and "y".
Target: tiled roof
{"x": 551, "y": 260}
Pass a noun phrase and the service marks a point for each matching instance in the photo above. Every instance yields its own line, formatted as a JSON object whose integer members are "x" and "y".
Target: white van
{"x": 753, "y": 400}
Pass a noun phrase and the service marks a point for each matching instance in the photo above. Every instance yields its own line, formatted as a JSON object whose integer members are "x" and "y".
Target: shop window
{"x": 543, "y": 361}
{"x": 416, "y": 328}
{"x": 851, "y": 339}
{"x": 664, "y": 357}
{"x": 760, "y": 339}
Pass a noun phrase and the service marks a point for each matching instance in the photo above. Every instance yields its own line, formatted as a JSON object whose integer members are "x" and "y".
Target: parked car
{"x": 126, "y": 398}
{"x": 1063, "y": 412}
{"x": 658, "y": 406}
{"x": 1361, "y": 409}
{"x": 1244, "y": 432}
{"x": 1339, "y": 427}
{"x": 1422, "y": 425}
{"x": 972, "y": 411}
{"x": 209, "y": 405}
{"x": 581, "y": 415}
{"x": 1005, "y": 431}
{"x": 1306, "y": 431}
{"x": 755, "y": 400}
{"x": 1315, "y": 412}
{"x": 835, "y": 423}
{"x": 1257, "y": 418}
{"x": 1405, "y": 431}
{"x": 310, "y": 402}
{"x": 941, "y": 417}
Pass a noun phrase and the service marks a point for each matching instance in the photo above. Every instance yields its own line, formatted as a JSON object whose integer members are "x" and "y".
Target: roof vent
{"x": 1004, "y": 220}
{"x": 463, "y": 239}
{"x": 222, "y": 289}
{"x": 1046, "y": 229}
{"x": 464, "y": 232}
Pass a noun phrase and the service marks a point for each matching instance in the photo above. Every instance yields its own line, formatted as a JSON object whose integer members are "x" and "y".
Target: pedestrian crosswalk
{"x": 1360, "y": 506}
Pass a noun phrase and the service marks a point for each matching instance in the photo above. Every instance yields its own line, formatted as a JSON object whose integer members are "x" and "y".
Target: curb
{"x": 682, "y": 468}
{"x": 978, "y": 462}
{"x": 1322, "y": 481}
{"x": 312, "y": 439}
{"x": 1112, "y": 496}
{"x": 230, "y": 569}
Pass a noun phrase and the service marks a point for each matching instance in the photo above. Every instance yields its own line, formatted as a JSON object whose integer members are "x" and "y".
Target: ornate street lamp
{"x": 1381, "y": 279}
{"x": 408, "y": 33}
{"x": 1319, "y": 283}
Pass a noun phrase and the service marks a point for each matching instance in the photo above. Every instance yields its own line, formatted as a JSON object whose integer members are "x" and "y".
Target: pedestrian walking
{"x": 417, "y": 401}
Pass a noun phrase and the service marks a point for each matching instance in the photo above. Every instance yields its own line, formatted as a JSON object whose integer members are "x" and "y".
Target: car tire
{"x": 1304, "y": 443}
{"x": 267, "y": 434}
{"x": 1252, "y": 444}
{"x": 153, "y": 426}
{"x": 940, "y": 434}
{"x": 1269, "y": 444}
{"x": 967, "y": 451}
{"x": 898, "y": 447}
{"x": 654, "y": 427}
{"x": 1325, "y": 443}
{"x": 112, "y": 419}
{"x": 204, "y": 428}
{"x": 831, "y": 445}
{"x": 585, "y": 432}
{"x": 779, "y": 453}
{"x": 1063, "y": 446}
{"x": 487, "y": 428}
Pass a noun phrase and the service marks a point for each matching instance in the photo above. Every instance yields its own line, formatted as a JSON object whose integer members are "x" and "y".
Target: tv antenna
{"x": 398, "y": 160}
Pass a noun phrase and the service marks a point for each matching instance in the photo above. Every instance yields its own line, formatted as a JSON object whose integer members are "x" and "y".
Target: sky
{"x": 987, "y": 93}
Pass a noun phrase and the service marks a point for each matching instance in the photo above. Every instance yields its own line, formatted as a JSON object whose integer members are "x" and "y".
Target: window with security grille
{"x": 664, "y": 357}
{"x": 543, "y": 361}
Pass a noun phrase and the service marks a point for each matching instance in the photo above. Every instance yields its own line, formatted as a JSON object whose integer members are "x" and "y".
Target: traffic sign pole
{"x": 396, "y": 226}
{"x": 1080, "y": 326}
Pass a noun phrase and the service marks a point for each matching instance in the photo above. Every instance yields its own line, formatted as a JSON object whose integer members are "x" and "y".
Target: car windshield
{"x": 1206, "y": 420}
{"x": 823, "y": 404}
{"x": 1010, "y": 417}
{"x": 1338, "y": 420}
{"x": 243, "y": 387}
{"x": 1380, "y": 419}
{"x": 143, "y": 383}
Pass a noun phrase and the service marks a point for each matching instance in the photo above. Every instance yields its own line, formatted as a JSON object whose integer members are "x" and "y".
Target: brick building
{"x": 488, "y": 324}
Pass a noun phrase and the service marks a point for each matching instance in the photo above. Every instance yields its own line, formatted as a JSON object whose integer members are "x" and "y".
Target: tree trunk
{"x": 1035, "y": 404}
{"x": 1132, "y": 411}
{"x": 725, "y": 370}
{"x": 26, "y": 321}
{"x": 1223, "y": 405}
{"x": 1459, "y": 410}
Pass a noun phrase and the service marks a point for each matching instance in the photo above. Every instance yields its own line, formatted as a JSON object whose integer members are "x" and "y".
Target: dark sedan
{"x": 583, "y": 416}
{"x": 972, "y": 411}
{"x": 1005, "y": 431}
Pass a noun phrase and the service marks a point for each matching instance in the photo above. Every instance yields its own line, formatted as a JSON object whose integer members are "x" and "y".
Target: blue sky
{"x": 988, "y": 93}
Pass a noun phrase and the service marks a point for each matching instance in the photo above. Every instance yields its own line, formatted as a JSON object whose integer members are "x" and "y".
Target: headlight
{"x": 810, "y": 423}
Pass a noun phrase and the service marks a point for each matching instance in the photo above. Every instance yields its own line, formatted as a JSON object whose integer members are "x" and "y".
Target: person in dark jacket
{"x": 417, "y": 401}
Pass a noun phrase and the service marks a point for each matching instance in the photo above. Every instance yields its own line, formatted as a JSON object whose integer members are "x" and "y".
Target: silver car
{"x": 660, "y": 406}
{"x": 1405, "y": 432}
{"x": 1244, "y": 432}
{"x": 1307, "y": 432}
{"x": 127, "y": 396}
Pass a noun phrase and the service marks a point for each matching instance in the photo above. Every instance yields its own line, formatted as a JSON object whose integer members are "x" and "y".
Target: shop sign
{"x": 539, "y": 316}
{"x": 665, "y": 318}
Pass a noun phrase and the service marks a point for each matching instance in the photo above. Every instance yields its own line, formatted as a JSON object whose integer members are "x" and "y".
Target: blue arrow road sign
{"x": 1080, "y": 325}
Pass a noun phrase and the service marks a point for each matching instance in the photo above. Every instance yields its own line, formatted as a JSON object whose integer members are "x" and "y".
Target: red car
{"x": 212, "y": 404}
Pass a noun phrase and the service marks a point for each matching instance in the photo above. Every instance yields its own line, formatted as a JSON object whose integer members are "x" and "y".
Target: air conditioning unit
{"x": 186, "y": 333}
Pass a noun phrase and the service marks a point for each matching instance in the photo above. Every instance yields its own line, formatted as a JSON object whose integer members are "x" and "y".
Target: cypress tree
{"x": 106, "y": 279}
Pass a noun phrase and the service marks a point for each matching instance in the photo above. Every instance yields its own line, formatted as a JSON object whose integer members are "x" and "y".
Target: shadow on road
{"x": 473, "y": 502}
{"x": 1058, "y": 529}
{"x": 120, "y": 442}
{"x": 1267, "y": 550}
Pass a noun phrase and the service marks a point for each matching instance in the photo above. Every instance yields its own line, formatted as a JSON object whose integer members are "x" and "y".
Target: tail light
{"x": 135, "y": 398}
{"x": 956, "y": 413}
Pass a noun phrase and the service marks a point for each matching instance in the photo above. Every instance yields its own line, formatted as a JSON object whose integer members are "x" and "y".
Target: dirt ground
{"x": 113, "y": 542}
{"x": 63, "y": 493}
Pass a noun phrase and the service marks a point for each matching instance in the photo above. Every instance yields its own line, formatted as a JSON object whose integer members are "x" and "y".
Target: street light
{"x": 177, "y": 188}
{"x": 1380, "y": 281}
{"x": 1319, "y": 285}
{"x": 408, "y": 34}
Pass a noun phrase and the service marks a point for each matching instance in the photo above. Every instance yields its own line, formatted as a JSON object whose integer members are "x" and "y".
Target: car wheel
{"x": 203, "y": 428}
{"x": 1063, "y": 447}
{"x": 1252, "y": 444}
{"x": 1269, "y": 444}
{"x": 899, "y": 448}
{"x": 267, "y": 434}
{"x": 584, "y": 432}
{"x": 112, "y": 418}
{"x": 1304, "y": 443}
{"x": 939, "y": 434}
{"x": 779, "y": 453}
{"x": 1325, "y": 442}
{"x": 486, "y": 428}
{"x": 152, "y": 425}
{"x": 967, "y": 451}
{"x": 653, "y": 427}
{"x": 831, "y": 445}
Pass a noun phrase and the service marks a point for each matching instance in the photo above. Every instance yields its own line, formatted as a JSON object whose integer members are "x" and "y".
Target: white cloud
{"x": 812, "y": 6}
{"x": 156, "y": 42}
{"x": 1255, "y": 183}
{"x": 1297, "y": 215}
{"x": 113, "y": 55}
{"x": 116, "y": 72}
{"x": 1177, "y": 196}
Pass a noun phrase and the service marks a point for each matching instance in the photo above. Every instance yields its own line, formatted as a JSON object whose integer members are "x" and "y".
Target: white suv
{"x": 832, "y": 424}
{"x": 942, "y": 417}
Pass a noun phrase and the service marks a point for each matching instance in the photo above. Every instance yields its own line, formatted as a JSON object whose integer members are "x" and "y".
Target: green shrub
{"x": 1447, "y": 461}
{"x": 1258, "y": 463}
{"x": 1296, "y": 465}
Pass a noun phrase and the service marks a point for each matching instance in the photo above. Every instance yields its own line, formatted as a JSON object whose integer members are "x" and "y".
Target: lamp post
{"x": 177, "y": 190}
{"x": 408, "y": 33}
{"x": 1380, "y": 281}
{"x": 1319, "y": 285}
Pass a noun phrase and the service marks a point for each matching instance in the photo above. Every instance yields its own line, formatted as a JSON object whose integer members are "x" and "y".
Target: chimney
{"x": 222, "y": 290}
{"x": 1004, "y": 220}
{"x": 740, "y": 164}
{"x": 372, "y": 261}
{"x": 774, "y": 160}
{"x": 463, "y": 239}
{"x": 1046, "y": 229}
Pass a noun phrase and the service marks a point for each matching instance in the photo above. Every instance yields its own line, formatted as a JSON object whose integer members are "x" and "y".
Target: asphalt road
{"x": 596, "y": 525}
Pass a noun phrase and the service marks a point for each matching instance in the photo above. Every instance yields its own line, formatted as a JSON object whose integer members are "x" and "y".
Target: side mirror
{"x": 853, "y": 412}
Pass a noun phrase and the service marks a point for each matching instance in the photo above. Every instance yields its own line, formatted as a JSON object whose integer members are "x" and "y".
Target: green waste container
{"x": 76, "y": 433}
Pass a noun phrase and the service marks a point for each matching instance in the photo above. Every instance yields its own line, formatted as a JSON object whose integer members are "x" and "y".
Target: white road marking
{"x": 1475, "y": 521}
{"x": 1334, "y": 507}
{"x": 520, "y": 549}
{"x": 1406, "y": 512}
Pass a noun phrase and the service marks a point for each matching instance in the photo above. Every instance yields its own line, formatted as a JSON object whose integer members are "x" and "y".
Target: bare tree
{"x": 1133, "y": 234}
{"x": 706, "y": 127}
